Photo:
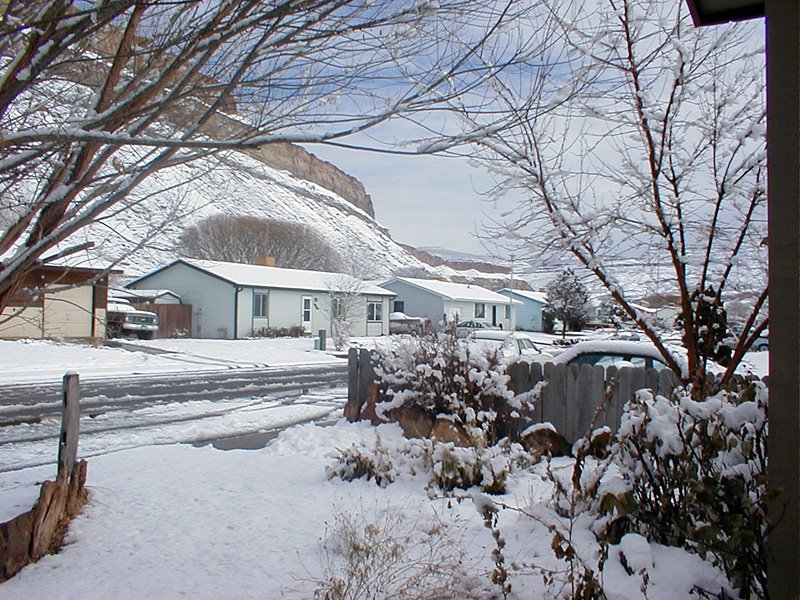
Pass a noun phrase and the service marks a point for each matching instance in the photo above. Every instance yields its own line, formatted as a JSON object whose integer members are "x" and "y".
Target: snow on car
{"x": 510, "y": 346}
{"x": 465, "y": 328}
{"x": 618, "y": 353}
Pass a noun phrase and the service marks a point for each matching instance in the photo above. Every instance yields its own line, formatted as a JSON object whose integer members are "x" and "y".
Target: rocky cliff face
{"x": 304, "y": 165}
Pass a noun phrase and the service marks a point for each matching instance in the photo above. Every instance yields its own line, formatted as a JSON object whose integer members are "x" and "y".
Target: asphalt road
{"x": 237, "y": 408}
{"x": 30, "y": 403}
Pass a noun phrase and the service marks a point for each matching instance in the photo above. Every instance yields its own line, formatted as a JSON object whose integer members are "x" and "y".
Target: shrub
{"x": 389, "y": 556}
{"x": 695, "y": 476}
{"x": 450, "y": 467}
{"x": 294, "y": 331}
{"x": 357, "y": 462}
{"x": 442, "y": 374}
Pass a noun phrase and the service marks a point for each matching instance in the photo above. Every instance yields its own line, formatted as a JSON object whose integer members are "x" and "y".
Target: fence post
{"x": 70, "y": 424}
{"x": 352, "y": 409}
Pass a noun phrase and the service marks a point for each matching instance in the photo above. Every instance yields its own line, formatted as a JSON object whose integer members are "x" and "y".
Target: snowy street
{"x": 130, "y": 398}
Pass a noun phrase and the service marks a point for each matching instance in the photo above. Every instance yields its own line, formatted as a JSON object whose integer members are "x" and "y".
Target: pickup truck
{"x": 123, "y": 319}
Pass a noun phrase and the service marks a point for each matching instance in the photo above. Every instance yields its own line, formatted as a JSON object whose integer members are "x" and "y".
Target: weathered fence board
{"x": 574, "y": 398}
{"x": 70, "y": 424}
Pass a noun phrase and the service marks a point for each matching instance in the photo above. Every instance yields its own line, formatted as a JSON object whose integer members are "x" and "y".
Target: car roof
{"x": 496, "y": 334}
{"x": 610, "y": 347}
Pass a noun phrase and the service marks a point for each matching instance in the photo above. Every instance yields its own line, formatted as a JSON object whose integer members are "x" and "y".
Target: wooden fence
{"x": 570, "y": 396}
{"x": 174, "y": 320}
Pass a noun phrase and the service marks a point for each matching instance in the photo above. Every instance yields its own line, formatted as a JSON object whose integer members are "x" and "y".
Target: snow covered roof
{"x": 276, "y": 277}
{"x": 144, "y": 294}
{"x": 530, "y": 295}
{"x": 455, "y": 291}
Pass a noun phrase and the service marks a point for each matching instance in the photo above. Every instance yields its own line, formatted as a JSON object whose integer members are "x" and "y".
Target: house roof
{"x": 455, "y": 291}
{"x": 146, "y": 294}
{"x": 540, "y": 297}
{"x": 258, "y": 276}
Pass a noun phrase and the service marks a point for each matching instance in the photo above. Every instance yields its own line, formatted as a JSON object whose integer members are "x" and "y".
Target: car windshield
{"x": 618, "y": 360}
{"x": 527, "y": 345}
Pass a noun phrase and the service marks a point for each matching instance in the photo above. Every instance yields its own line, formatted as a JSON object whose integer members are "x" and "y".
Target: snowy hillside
{"x": 146, "y": 232}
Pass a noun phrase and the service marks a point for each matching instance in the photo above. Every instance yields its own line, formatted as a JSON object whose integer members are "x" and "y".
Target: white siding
{"x": 418, "y": 302}
{"x": 212, "y": 299}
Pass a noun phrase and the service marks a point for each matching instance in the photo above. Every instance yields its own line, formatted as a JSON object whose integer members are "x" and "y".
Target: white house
{"x": 233, "y": 300}
{"x": 529, "y": 313}
{"x": 445, "y": 301}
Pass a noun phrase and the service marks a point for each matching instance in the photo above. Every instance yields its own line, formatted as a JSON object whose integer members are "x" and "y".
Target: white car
{"x": 122, "y": 319}
{"x": 510, "y": 346}
{"x": 465, "y": 328}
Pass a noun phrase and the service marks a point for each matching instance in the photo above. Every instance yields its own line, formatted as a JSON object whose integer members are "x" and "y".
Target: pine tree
{"x": 567, "y": 300}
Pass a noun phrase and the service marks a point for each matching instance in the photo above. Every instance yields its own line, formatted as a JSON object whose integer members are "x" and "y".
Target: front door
{"x": 494, "y": 315}
{"x": 305, "y": 318}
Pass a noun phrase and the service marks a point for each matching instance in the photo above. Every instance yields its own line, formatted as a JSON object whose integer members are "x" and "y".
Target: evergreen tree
{"x": 567, "y": 301}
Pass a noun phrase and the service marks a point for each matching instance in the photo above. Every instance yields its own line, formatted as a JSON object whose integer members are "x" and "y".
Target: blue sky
{"x": 422, "y": 200}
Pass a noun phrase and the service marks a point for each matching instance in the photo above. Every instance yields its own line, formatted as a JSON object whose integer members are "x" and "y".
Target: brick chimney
{"x": 265, "y": 261}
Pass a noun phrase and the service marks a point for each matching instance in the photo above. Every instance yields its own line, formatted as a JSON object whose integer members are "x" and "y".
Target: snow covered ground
{"x": 43, "y": 360}
{"x": 181, "y": 520}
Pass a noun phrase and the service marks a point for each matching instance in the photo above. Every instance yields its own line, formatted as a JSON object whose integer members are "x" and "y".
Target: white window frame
{"x": 374, "y": 311}
{"x": 261, "y": 305}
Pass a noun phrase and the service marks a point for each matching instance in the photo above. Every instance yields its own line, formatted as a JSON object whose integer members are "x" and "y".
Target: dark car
{"x": 618, "y": 353}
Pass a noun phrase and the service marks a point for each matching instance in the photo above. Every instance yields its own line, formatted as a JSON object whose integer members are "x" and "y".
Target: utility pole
{"x": 511, "y": 297}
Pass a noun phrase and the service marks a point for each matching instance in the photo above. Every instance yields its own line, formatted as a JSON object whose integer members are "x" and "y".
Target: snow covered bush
{"x": 356, "y": 462}
{"x": 693, "y": 475}
{"x": 487, "y": 467}
{"x": 449, "y": 467}
{"x": 444, "y": 375}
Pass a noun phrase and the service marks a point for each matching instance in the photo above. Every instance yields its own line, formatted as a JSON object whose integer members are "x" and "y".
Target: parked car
{"x": 402, "y": 323}
{"x": 619, "y": 353}
{"x": 510, "y": 346}
{"x": 464, "y": 328}
{"x": 762, "y": 342}
{"x": 123, "y": 319}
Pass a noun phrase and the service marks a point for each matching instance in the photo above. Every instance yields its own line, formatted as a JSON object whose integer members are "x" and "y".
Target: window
{"x": 260, "y": 305}
{"x": 480, "y": 310}
{"x": 306, "y": 310}
{"x": 374, "y": 311}
{"x": 337, "y": 308}
{"x": 399, "y": 306}
{"x": 508, "y": 311}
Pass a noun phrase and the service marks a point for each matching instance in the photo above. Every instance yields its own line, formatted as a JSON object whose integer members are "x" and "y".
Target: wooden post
{"x": 352, "y": 410}
{"x": 70, "y": 425}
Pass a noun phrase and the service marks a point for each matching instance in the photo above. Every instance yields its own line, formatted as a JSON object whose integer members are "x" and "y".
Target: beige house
{"x": 58, "y": 302}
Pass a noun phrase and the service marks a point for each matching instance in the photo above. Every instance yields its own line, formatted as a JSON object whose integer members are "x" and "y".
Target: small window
{"x": 480, "y": 310}
{"x": 260, "y": 305}
{"x": 374, "y": 311}
{"x": 508, "y": 311}
{"x": 399, "y": 306}
{"x": 337, "y": 308}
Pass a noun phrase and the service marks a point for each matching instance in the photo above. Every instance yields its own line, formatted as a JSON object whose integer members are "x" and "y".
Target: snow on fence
{"x": 570, "y": 397}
